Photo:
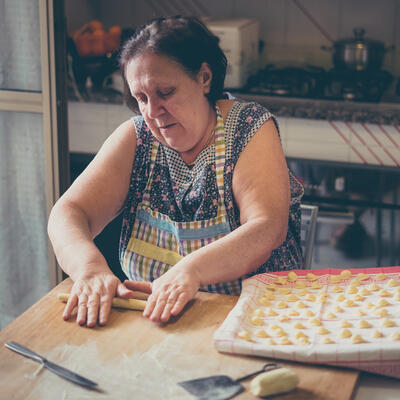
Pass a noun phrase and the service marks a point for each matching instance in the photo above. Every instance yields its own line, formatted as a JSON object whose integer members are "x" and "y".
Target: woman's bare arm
{"x": 91, "y": 202}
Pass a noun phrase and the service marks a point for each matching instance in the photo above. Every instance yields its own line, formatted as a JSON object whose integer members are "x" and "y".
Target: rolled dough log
{"x": 131, "y": 304}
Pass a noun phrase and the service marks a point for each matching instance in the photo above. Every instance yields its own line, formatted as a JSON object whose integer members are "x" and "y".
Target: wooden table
{"x": 126, "y": 341}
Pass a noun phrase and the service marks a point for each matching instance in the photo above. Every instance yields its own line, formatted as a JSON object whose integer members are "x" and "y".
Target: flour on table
{"x": 138, "y": 376}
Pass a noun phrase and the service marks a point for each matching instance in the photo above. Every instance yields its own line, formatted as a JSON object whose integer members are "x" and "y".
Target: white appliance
{"x": 238, "y": 38}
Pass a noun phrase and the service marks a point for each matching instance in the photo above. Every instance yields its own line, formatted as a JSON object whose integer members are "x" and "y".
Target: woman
{"x": 209, "y": 200}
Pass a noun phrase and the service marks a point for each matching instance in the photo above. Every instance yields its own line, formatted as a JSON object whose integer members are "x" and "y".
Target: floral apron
{"x": 157, "y": 243}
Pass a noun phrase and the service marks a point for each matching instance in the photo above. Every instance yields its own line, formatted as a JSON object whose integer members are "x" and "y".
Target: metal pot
{"x": 358, "y": 53}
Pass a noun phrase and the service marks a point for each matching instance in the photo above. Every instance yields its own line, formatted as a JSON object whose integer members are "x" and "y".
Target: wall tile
{"x": 301, "y": 31}
{"x": 376, "y": 17}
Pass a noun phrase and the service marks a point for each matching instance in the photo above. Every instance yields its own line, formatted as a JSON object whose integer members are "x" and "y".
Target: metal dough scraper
{"x": 220, "y": 387}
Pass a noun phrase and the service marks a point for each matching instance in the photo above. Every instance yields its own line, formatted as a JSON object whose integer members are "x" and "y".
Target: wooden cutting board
{"x": 188, "y": 340}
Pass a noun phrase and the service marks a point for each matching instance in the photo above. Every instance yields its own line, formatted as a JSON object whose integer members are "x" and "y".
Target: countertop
{"x": 132, "y": 357}
{"x": 361, "y": 134}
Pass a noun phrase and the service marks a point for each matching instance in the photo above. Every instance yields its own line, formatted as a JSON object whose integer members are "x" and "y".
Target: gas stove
{"x": 318, "y": 83}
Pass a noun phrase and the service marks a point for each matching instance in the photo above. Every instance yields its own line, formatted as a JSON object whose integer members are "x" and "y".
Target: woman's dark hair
{"x": 184, "y": 39}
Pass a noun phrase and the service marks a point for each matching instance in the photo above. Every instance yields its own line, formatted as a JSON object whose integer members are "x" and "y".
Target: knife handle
{"x": 131, "y": 304}
{"x": 18, "y": 348}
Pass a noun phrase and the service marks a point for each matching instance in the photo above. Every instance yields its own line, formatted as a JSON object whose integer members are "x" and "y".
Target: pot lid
{"x": 359, "y": 38}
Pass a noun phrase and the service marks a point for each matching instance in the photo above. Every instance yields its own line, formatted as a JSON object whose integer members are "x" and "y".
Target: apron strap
{"x": 154, "y": 149}
{"x": 219, "y": 163}
{"x": 220, "y": 159}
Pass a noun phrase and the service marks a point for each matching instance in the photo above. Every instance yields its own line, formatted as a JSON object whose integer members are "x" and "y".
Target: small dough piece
{"x": 303, "y": 292}
{"x": 362, "y": 277}
{"x": 374, "y": 287}
{"x": 392, "y": 283}
{"x": 382, "y": 312}
{"x": 384, "y": 293}
{"x": 310, "y": 313}
{"x": 280, "y": 280}
{"x": 346, "y": 333}
{"x": 299, "y": 325}
{"x": 284, "y": 290}
{"x": 293, "y": 313}
{"x": 395, "y": 336}
{"x": 355, "y": 283}
{"x": 349, "y": 303}
{"x": 271, "y": 342}
{"x": 322, "y": 299}
{"x": 280, "y": 332}
{"x": 271, "y": 287}
{"x": 283, "y": 318}
{"x": 357, "y": 339}
{"x": 285, "y": 341}
{"x": 337, "y": 289}
{"x": 261, "y": 333}
{"x": 291, "y": 298}
{"x": 380, "y": 277}
{"x": 365, "y": 324}
{"x": 338, "y": 309}
{"x": 300, "y": 334}
{"x": 388, "y": 323}
{"x": 328, "y": 340}
{"x": 279, "y": 380}
{"x": 311, "y": 277}
{"x": 292, "y": 276}
{"x": 352, "y": 290}
{"x": 360, "y": 313}
{"x": 245, "y": 335}
{"x": 341, "y": 297}
{"x": 323, "y": 331}
{"x": 316, "y": 285}
{"x": 281, "y": 304}
{"x": 370, "y": 305}
{"x": 345, "y": 274}
{"x": 271, "y": 313}
{"x": 269, "y": 295}
{"x": 365, "y": 292}
{"x": 301, "y": 304}
{"x": 346, "y": 324}
{"x": 377, "y": 334}
{"x": 315, "y": 322}
{"x": 304, "y": 341}
{"x": 382, "y": 303}
{"x": 310, "y": 297}
{"x": 397, "y": 296}
{"x": 335, "y": 278}
{"x": 301, "y": 285}
{"x": 275, "y": 327}
{"x": 358, "y": 297}
{"x": 256, "y": 320}
{"x": 263, "y": 301}
{"x": 330, "y": 315}
{"x": 259, "y": 312}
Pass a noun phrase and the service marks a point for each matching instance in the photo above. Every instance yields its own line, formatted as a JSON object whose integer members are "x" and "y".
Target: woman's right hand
{"x": 92, "y": 296}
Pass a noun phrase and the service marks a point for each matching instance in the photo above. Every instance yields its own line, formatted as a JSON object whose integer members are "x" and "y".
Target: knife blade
{"x": 56, "y": 369}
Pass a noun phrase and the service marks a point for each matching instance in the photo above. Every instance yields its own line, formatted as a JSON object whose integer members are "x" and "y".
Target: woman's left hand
{"x": 169, "y": 293}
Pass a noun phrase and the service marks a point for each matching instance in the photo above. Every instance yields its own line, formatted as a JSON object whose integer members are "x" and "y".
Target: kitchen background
{"x": 346, "y": 149}
{"x": 339, "y": 129}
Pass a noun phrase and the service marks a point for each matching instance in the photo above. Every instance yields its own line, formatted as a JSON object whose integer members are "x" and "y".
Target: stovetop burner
{"x": 316, "y": 82}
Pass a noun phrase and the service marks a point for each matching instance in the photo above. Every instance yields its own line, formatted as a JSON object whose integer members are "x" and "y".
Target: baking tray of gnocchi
{"x": 342, "y": 317}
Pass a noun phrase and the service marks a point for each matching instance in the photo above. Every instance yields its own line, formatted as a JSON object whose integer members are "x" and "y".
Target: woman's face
{"x": 172, "y": 103}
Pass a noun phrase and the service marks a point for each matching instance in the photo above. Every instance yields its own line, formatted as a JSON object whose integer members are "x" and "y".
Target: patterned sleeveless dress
{"x": 172, "y": 209}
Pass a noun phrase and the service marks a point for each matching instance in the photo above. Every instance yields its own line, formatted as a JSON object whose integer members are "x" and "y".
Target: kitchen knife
{"x": 60, "y": 371}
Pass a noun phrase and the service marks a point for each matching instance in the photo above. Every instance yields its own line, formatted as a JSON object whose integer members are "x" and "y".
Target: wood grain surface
{"x": 42, "y": 328}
